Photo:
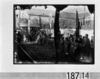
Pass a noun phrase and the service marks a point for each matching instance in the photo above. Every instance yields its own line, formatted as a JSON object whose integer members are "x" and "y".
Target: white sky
{"x": 69, "y": 9}
{"x": 80, "y": 9}
{"x": 42, "y": 7}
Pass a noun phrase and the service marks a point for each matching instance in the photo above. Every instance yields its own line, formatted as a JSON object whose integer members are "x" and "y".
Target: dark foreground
{"x": 42, "y": 54}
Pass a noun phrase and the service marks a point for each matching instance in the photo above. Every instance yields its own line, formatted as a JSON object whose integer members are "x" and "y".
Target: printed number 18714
{"x": 77, "y": 75}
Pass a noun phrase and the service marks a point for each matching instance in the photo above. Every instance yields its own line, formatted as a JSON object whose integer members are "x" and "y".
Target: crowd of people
{"x": 81, "y": 46}
{"x": 71, "y": 45}
{"x": 76, "y": 46}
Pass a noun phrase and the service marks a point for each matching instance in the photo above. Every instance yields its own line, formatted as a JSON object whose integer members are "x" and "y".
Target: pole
{"x": 57, "y": 35}
{"x": 29, "y": 25}
{"x": 77, "y": 26}
{"x": 40, "y": 22}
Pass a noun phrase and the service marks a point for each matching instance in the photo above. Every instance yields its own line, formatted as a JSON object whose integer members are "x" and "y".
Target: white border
{"x": 6, "y": 39}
